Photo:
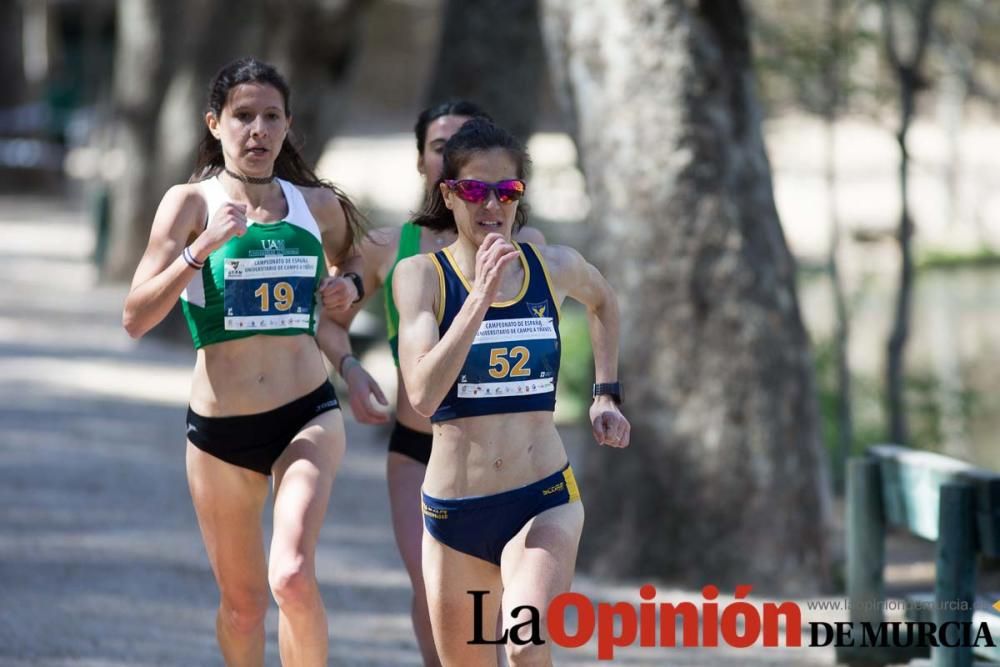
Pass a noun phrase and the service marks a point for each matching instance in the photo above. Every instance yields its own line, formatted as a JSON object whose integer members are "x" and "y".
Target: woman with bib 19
{"x": 251, "y": 245}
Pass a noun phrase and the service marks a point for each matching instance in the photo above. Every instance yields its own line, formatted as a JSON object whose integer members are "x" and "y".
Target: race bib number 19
{"x": 274, "y": 292}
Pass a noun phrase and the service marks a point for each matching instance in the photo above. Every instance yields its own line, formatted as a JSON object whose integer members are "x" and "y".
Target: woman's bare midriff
{"x": 253, "y": 375}
{"x": 477, "y": 456}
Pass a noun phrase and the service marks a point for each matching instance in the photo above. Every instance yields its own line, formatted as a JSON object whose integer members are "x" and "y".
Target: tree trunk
{"x": 842, "y": 329}
{"x": 833, "y": 82}
{"x": 725, "y": 481}
{"x": 316, "y": 48}
{"x": 140, "y": 77}
{"x": 12, "y": 54}
{"x": 909, "y": 76}
{"x": 491, "y": 53}
{"x": 896, "y": 345}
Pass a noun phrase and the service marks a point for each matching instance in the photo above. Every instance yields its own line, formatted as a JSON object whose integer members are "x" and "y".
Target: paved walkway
{"x": 101, "y": 563}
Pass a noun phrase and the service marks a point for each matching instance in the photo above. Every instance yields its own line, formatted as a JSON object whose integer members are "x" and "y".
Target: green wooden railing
{"x": 937, "y": 498}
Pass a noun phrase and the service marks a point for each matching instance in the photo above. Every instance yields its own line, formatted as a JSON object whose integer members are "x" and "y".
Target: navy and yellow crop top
{"x": 513, "y": 364}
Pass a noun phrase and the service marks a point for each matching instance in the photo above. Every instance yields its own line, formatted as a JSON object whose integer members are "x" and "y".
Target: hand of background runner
{"x": 493, "y": 255}
{"x": 229, "y": 221}
{"x": 360, "y": 388}
{"x": 608, "y": 423}
{"x": 336, "y": 293}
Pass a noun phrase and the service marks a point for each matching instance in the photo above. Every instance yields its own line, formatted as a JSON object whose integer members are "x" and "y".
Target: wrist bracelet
{"x": 359, "y": 285}
{"x": 340, "y": 366}
{"x": 190, "y": 259}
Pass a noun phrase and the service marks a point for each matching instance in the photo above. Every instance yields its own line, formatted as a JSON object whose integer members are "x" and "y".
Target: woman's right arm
{"x": 429, "y": 363}
{"x": 163, "y": 273}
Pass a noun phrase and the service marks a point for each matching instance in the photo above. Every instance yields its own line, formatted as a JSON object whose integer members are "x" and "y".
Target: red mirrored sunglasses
{"x": 475, "y": 192}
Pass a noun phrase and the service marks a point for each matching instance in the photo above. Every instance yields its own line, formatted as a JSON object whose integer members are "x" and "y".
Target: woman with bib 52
{"x": 479, "y": 354}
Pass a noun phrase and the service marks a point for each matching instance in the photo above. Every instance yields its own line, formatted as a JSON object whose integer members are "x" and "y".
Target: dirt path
{"x": 101, "y": 564}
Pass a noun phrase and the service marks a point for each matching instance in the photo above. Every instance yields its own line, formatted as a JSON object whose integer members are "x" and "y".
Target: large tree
{"x": 316, "y": 46}
{"x": 726, "y": 481}
{"x": 141, "y": 75}
{"x": 491, "y": 52}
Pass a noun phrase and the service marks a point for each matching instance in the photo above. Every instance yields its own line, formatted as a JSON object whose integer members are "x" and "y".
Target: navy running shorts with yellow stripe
{"x": 481, "y": 526}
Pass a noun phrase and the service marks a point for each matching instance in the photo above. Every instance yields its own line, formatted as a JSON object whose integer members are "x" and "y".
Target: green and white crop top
{"x": 263, "y": 283}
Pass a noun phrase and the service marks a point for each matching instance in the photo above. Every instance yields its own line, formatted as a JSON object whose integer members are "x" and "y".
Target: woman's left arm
{"x": 575, "y": 277}
{"x": 336, "y": 292}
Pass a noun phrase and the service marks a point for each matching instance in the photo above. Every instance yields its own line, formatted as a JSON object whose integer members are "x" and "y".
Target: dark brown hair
{"x": 289, "y": 164}
{"x": 477, "y": 135}
{"x": 449, "y": 108}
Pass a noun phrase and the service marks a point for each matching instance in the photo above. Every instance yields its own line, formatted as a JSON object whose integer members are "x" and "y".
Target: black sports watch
{"x": 359, "y": 284}
{"x": 612, "y": 389}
